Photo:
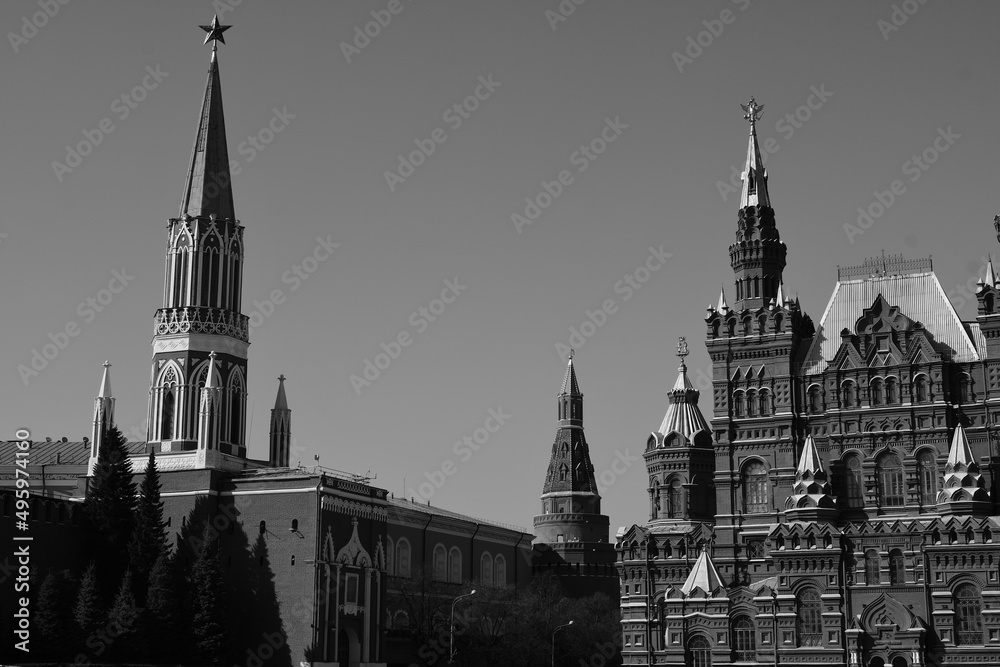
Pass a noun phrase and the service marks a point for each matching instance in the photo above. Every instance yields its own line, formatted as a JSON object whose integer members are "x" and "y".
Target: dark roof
{"x": 44, "y": 452}
{"x": 438, "y": 511}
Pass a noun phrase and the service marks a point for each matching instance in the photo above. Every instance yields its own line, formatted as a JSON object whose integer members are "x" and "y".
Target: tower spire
{"x": 280, "y": 437}
{"x": 964, "y": 491}
{"x": 758, "y": 256}
{"x": 208, "y": 186}
{"x": 811, "y": 498}
{"x": 754, "y": 175}
{"x": 104, "y": 416}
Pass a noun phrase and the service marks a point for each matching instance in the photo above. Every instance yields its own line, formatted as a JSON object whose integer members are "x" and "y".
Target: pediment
{"x": 881, "y": 317}
{"x": 886, "y": 613}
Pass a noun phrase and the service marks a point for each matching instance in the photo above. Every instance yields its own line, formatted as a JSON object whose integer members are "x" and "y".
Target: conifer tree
{"x": 149, "y": 538}
{"x": 110, "y": 503}
{"x": 209, "y": 604}
{"x": 89, "y": 609}
{"x": 160, "y": 618}
{"x": 53, "y": 615}
{"x": 125, "y": 643}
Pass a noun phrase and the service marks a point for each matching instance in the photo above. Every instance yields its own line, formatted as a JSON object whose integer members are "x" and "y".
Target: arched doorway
{"x": 348, "y": 647}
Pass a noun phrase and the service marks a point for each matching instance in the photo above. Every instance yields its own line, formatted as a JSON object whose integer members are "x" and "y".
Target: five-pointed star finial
{"x": 215, "y": 31}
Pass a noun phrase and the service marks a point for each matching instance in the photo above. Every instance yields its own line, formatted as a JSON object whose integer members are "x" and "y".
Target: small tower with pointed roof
{"x": 281, "y": 429}
{"x": 812, "y": 495}
{"x": 964, "y": 489}
{"x": 680, "y": 459}
{"x": 571, "y": 529}
{"x": 209, "y": 414}
{"x": 104, "y": 416}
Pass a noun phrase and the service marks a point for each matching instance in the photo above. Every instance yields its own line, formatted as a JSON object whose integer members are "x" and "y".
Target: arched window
{"x": 699, "y": 651}
{"x": 875, "y": 391}
{"x": 761, "y": 324}
{"x": 751, "y": 403}
{"x": 403, "y": 557}
{"x": 563, "y": 472}
{"x": 674, "y": 500}
{"x": 731, "y": 326}
{"x": 920, "y": 389}
{"x": 486, "y": 569}
{"x": 236, "y": 413}
{"x": 440, "y": 563}
{"x": 889, "y": 472}
{"x": 747, "y": 325}
{"x": 744, "y": 640}
{"x": 963, "y": 388}
{"x": 891, "y": 391}
{"x": 813, "y": 399}
{"x": 390, "y": 558}
{"x": 988, "y": 303}
{"x": 756, "y": 499}
{"x": 455, "y": 566}
{"x": 765, "y": 403}
{"x": 927, "y": 477}
{"x": 854, "y": 494}
{"x": 809, "y": 618}
{"x": 897, "y": 572}
{"x": 738, "y": 404}
{"x": 499, "y": 571}
{"x": 849, "y": 394}
{"x": 167, "y": 415}
{"x": 968, "y": 619}
{"x": 873, "y": 567}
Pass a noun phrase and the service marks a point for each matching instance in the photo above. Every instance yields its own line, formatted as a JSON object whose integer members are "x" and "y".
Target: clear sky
{"x": 664, "y": 80}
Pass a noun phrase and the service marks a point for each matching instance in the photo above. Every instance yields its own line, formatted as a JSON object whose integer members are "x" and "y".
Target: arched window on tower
{"x": 747, "y": 325}
{"x": 756, "y": 287}
{"x": 897, "y": 571}
{"x": 675, "y": 508}
{"x": 875, "y": 391}
{"x": 891, "y": 391}
{"x": 563, "y": 472}
{"x": 968, "y": 616}
{"x": 873, "y": 567}
{"x": 167, "y": 414}
{"x": 920, "y": 389}
{"x": 744, "y": 640}
{"x": 889, "y": 473}
{"x": 809, "y": 618}
{"x": 765, "y": 403}
{"x": 738, "y": 404}
{"x": 927, "y": 477}
{"x": 751, "y": 403}
{"x": 756, "y": 498}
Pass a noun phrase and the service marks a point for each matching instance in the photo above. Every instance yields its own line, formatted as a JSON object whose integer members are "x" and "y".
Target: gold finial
{"x": 752, "y": 111}
{"x": 682, "y": 348}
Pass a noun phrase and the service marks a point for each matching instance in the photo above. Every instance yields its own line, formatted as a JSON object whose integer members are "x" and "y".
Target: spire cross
{"x": 752, "y": 112}
{"x": 682, "y": 348}
{"x": 281, "y": 378}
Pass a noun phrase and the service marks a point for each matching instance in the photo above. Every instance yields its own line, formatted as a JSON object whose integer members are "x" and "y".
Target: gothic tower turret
{"x": 104, "y": 416}
{"x": 571, "y": 528}
{"x": 202, "y": 293}
{"x": 758, "y": 256}
{"x": 281, "y": 429}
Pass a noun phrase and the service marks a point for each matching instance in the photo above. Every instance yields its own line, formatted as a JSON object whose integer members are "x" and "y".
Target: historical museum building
{"x": 840, "y": 505}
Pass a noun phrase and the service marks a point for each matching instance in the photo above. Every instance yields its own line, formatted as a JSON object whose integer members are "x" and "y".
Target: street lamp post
{"x": 558, "y": 628}
{"x": 451, "y": 630}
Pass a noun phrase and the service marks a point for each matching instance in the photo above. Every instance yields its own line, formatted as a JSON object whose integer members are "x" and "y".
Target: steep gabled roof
{"x": 703, "y": 575}
{"x": 919, "y": 296}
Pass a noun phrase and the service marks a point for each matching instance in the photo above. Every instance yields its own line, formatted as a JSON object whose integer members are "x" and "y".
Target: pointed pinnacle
{"x": 105, "y": 391}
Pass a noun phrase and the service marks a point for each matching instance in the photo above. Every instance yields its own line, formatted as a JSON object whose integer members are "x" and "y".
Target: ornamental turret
{"x": 812, "y": 496}
{"x": 964, "y": 489}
